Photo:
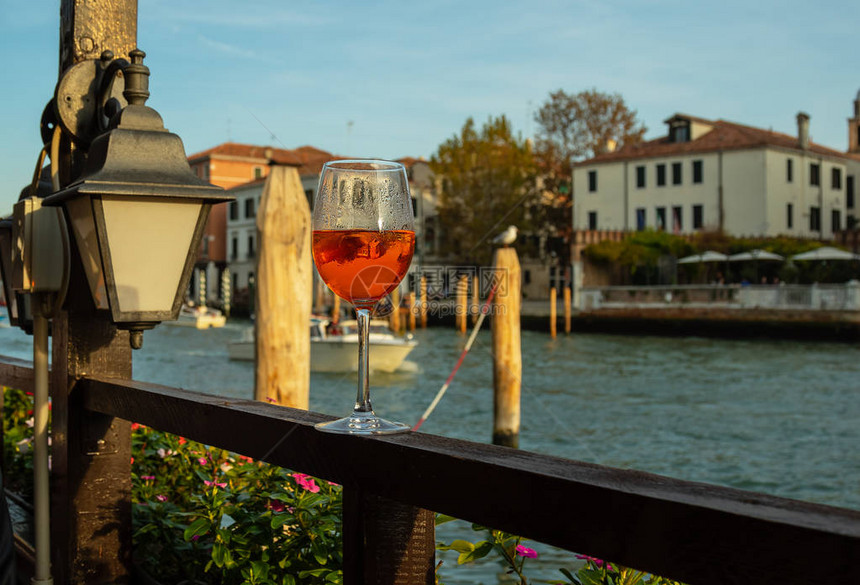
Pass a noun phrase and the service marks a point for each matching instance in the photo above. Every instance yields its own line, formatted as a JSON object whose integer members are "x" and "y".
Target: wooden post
{"x": 283, "y": 291}
{"x": 335, "y": 310}
{"x": 423, "y": 302}
{"x": 386, "y": 542}
{"x": 475, "y": 307}
{"x": 567, "y": 309}
{"x": 394, "y": 318}
{"x": 462, "y": 307}
{"x": 507, "y": 352}
{"x": 553, "y": 316}
{"x": 90, "y": 453}
{"x": 412, "y": 309}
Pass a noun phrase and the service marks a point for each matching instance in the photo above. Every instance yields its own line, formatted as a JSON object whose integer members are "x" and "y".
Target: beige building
{"x": 709, "y": 175}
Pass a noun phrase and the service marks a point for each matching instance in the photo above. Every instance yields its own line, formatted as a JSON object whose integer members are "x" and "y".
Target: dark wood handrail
{"x": 698, "y": 533}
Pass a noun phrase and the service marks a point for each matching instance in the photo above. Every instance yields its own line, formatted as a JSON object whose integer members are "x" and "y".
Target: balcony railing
{"x": 815, "y": 297}
{"x": 701, "y": 534}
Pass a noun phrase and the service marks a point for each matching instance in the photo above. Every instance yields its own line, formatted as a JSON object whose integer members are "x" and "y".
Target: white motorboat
{"x": 335, "y": 348}
{"x": 199, "y": 317}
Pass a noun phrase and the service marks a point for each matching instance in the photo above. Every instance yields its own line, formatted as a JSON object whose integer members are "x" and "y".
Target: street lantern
{"x": 137, "y": 213}
{"x": 6, "y": 269}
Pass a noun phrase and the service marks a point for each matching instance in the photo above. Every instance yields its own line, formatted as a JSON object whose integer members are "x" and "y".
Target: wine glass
{"x": 363, "y": 241}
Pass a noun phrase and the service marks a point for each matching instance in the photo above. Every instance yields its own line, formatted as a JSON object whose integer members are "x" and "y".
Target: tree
{"x": 487, "y": 176}
{"x": 574, "y": 127}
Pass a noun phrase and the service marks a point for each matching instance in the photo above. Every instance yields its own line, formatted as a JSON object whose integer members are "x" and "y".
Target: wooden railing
{"x": 701, "y": 534}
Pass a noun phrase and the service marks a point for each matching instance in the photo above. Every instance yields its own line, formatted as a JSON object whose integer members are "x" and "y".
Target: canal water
{"x": 780, "y": 417}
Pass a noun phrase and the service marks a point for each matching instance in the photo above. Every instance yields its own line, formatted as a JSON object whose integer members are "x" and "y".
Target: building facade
{"x": 231, "y": 165}
{"x": 718, "y": 175}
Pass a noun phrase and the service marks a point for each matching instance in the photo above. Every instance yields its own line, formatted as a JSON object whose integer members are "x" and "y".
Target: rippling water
{"x": 781, "y": 417}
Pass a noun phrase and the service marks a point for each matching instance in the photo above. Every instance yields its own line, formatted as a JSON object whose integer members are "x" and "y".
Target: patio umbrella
{"x": 826, "y": 253}
{"x": 755, "y": 255}
{"x": 709, "y": 256}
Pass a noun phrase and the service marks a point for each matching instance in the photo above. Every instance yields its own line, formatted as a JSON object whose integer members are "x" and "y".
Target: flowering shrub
{"x": 201, "y": 513}
{"x": 18, "y": 424}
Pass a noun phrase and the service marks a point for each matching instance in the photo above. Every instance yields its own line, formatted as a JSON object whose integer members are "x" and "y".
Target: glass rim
{"x": 364, "y": 165}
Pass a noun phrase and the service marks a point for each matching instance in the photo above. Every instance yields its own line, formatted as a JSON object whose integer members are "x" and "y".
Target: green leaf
{"x": 481, "y": 550}
{"x": 443, "y": 519}
{"x": 197, "y": 528}
{"x": 462, "y": 546}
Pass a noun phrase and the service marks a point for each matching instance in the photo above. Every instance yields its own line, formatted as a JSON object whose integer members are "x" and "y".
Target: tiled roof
{"x": 724, "y": 136}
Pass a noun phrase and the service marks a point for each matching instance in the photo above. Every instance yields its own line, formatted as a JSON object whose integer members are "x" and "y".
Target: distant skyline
{"x": 389, "y": 79}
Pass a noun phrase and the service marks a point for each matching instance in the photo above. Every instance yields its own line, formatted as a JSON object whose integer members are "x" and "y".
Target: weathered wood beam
{"x": 698, "y": 533}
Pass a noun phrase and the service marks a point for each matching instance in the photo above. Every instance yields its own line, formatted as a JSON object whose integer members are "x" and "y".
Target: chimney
{"x": 803, "y": 130}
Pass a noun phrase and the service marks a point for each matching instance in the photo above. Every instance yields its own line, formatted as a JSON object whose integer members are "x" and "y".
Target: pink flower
{"x": 147, "y": 477}
{"x": 524, "y": 551}
{"x": 215, "y": 483}
{"x": 276, "y": 506}
{"x": 306, "y": 482}
{"x": 596, "y": 561}
{"x": 202, "y": 461}
{"x": 270, "y": 399}
{"x": 161, "y": 498}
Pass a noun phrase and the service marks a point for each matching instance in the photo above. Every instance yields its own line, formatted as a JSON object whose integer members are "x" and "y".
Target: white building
{"x": 708, "y": 175}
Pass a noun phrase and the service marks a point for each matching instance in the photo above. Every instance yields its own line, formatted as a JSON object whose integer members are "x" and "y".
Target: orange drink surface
{"x": 362, "y": 266}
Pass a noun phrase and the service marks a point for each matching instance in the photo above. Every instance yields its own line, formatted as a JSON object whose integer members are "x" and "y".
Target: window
{"x": 677, "y": 219}
{"x": 206, "y": 245}
{"x": 814, "y": 174}
{"x": 661, "y": 175}
{"x": 592, "y": 220}
{"x": 835, "y": 220}
{"x": 414, "y": 207}
{"x": 592, "y": 181}
{"x": 250, "y": 246}
{"x": 249, "y": 207}
{"x": 661, "y": 218}
{"x": 835, "y": 178}
{"x": 697, "y": 171}
{"x": 698, "y": 217}
{"x": 849, "y": 192}
{"x": 815, "y": 219}
{"x": 789, "y": 216}
{"x": 234, "y": 210}
{"x": 640, "y": 177}
{"x": 676, "y": 173}
{"x": 258, "y": 172}
{"x": 789, "y": 170}
{"x": 234, "y": 248}
{"x": 681, "y": 133}
{"x": 309, "y": 193}
{"x": 640, "y": 218}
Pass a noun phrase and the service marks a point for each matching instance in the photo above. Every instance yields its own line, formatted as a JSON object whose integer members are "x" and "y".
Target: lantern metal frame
{"x": 134, "y": 159}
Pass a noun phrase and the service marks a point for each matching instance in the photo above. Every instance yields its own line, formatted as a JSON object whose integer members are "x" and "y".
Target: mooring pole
{"x": 507, "y": 351}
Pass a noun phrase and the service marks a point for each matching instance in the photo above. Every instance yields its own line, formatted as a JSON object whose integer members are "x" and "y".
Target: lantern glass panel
{"x": 84, "y": 227}
{"x": 149, "y": 242}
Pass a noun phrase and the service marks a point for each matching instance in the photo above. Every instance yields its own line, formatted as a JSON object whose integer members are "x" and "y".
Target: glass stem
{"x": 362, "y": 399}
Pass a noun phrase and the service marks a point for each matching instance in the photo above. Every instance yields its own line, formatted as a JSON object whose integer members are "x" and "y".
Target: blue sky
{"x": 392, "y": 79}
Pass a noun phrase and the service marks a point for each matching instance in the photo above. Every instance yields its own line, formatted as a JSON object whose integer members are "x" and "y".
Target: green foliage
{"x": 201, "y": 513}
{"x": 488, "y": 175}
{"x": 18, "y": 424}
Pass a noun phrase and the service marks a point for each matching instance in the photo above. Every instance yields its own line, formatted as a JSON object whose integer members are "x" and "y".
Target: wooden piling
{"x": 423, "y": 302}
{"x": 507, "y": 352}
{"x": 394, "y": 318}
{"x": 553, "y": 317}
{"x": 284, "y": 291}
{"x": 462, "y": 307}
{"x": 567, "y": 309}
{"x": 412, "y": 310}
{"x": 335, "y": 310}
{"x": 474, "y": 308}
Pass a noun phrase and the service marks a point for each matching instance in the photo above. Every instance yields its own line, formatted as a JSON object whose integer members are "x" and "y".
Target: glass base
{"x": 362, "y": 423}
